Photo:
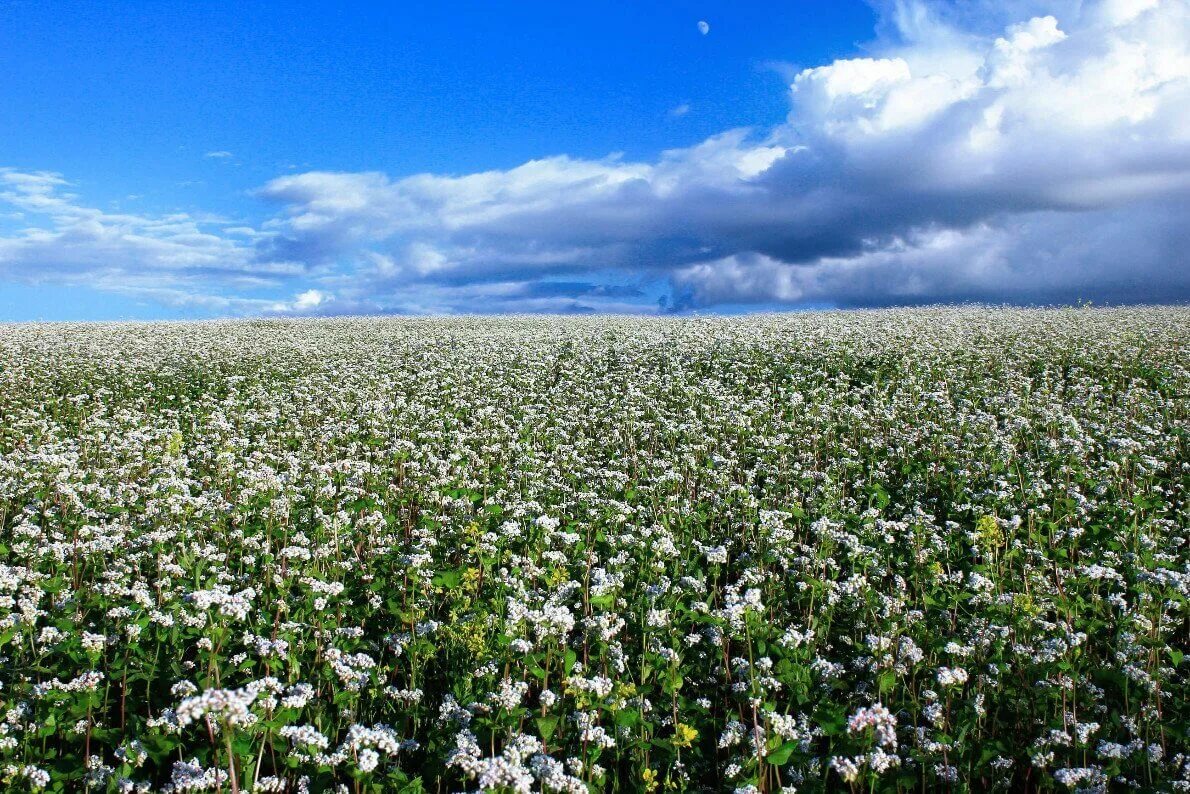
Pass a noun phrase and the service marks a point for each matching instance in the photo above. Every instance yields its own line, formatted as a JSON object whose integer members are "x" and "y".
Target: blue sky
{"x": 210, "y": 159}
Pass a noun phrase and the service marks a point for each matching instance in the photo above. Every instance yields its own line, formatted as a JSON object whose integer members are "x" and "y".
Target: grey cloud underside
{"x": 1114, "y": 256}
{"x": 1025, "y": 152}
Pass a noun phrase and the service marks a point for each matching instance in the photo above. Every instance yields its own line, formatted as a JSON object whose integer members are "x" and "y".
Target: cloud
{"x": 64, "y": 236}
{"x": 680, "y": 110}
{"x": 703, "y": 27}
{"x": 220, "y": 155}
{"x": 58, "y": 239}
{"x": 955, "y": 160}
{"x": 306, "y": 302}
{"x": 1015, "y": 150}
{"x": 1122, "y": 256}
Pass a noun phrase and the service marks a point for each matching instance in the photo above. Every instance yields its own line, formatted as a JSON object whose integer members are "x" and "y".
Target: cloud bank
{"x": 1026, "y": 152}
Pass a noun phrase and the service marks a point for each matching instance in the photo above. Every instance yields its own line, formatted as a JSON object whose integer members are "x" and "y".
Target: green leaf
{"x": 780, "y": 756}
{"x": 546, "y": 727}
{"x": 627, "y": 717}
{"x": 448, "y": 579}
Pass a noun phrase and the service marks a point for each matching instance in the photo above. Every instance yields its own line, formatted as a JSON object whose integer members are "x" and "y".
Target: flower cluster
{"x": 936, "y": 549}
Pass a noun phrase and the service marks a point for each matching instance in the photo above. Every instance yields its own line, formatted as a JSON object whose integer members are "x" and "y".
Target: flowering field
{"x": 901, "y": 550}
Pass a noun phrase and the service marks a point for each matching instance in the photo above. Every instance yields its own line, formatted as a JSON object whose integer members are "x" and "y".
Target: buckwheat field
{"x": 940, "y": 550}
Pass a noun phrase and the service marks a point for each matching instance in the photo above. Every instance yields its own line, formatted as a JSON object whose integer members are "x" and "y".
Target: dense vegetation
{"x": 902, "y": 550}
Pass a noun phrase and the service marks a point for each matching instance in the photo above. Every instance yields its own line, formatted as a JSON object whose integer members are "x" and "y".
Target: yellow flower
{"x": 1023, "y": 602}
{"x": 991, "y": 537}
{"x": 684, "y": 735}
{"x": 649, "y": 777}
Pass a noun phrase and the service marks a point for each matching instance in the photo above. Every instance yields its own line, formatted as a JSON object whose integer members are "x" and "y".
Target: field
{"x": 943, "y": 550}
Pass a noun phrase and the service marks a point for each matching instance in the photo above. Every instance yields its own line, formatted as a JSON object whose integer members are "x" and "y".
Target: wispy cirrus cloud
{"x": 174, "y": 259}
{"x": 1019, "y": 151}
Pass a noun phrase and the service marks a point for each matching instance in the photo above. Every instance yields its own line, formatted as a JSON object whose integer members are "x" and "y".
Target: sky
{"x": 206, "y": 159}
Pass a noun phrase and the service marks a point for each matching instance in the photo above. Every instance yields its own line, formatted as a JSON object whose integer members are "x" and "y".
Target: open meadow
{"x": 904, "y": 550}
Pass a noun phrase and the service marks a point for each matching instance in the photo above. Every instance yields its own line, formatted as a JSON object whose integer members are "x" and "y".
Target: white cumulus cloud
{"x": 961, "y": 158}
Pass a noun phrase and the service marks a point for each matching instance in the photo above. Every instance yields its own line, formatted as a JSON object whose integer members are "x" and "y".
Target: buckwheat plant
{"x": 909, "y": 550}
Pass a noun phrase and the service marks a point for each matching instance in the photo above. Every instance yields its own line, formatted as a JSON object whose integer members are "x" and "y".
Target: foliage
{"x": 902, "y": 550}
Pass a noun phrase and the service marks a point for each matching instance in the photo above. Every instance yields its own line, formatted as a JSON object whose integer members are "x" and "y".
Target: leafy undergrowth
{"x": 902, "y": 550}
